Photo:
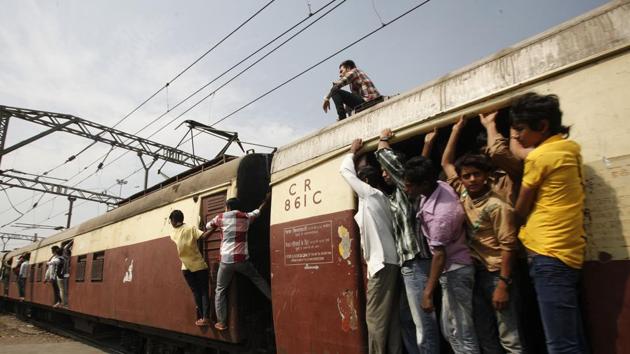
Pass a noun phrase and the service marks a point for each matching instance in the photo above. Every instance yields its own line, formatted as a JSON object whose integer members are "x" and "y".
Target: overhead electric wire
{"x": 71, "y": 158}
{"x": 246, "y": 58}
{"x": 246, "y": 69}
{"x": 290, "y": 79}
{"x": 87, "y": 201}
{"x": 316, "y": 64}
{"x": 165, "y": 87}
{"x": 221, "y": 75}
{"x": 321, "y": 61}
{"x": 35, "y": 205}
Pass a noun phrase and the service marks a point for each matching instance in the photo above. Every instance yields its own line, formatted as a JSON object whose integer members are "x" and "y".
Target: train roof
{"x": 184, "y": 185}
{"x": 579, "y": 41}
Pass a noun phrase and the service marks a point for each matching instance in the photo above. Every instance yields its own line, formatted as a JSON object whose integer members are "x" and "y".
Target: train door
{"x": 210, "y": 207}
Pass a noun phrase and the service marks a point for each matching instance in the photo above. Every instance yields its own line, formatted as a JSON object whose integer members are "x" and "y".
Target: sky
{"x": 98, "y": 60}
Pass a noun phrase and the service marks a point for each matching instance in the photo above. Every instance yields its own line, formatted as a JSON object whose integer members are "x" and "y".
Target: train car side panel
{"x": 317, "y": 272}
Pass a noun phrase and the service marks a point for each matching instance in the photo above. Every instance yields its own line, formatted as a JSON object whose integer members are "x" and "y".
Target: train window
{"x": 31, "y": 273}
{"x": 80, "y": 274}
{"x": 98, "y": 260}
{"x": 40, "y": 272}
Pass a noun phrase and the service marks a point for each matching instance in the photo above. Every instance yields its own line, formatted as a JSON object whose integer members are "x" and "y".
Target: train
{"x": 125, "y": 271}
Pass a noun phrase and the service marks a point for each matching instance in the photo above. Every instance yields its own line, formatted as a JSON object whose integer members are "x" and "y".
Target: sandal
{"x": 202, "y": 322}
{"x": 220, "y": 326}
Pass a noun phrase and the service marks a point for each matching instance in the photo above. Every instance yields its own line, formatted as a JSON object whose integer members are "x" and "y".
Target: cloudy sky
{"x": 98, "y": 60}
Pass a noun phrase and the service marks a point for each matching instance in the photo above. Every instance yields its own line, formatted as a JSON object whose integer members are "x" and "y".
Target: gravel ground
{"x": 16, "y": 331}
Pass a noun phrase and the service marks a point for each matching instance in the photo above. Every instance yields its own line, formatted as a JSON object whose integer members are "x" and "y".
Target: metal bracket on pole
{"x": 71, "y": 199}
{"x": 4, "y": 126}
{"x": 231, "y": 137}
{"x": 146, "y": 169}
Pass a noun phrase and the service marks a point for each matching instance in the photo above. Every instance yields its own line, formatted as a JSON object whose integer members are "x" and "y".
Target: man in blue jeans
{"x": 441, "y": 219}
{"x": 550, "y": 205}
{"x": 422, "y": 335}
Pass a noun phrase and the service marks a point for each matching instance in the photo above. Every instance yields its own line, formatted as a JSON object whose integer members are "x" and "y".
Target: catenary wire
{"x": 321, "y": 62}
{"x": 301, "y": 73}
{"x": 72, "y": 157}
{"x": 224, "y": 84}
{"x": 245, "y": 70}
{"x": 165, "y": 87}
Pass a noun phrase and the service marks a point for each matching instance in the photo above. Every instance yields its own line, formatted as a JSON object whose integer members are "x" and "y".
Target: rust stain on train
{"x": 347, "y": 310}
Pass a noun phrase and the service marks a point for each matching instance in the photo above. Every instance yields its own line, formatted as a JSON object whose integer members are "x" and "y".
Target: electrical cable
{"x": 290, "y": 79}
{"x": 245, "y": 59}
{"x": 307, "y": 69}
{"x": 10, "y": 203}
{"x": 320, "y": 62}
{"x": 165, "y": 87}
{"x": 246, "y": 69}
{"x": 222, "y": 74}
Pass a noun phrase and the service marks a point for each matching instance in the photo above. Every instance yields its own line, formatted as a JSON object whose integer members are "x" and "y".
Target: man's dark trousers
{"x": 341, "y": 97}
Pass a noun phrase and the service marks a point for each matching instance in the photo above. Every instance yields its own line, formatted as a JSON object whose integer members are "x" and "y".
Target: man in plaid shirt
{"x": 234, "y": 254}
{"x": 361, "y": 87}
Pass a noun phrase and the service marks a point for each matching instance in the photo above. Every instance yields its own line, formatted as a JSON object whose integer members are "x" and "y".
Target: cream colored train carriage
{"x": 125, "y": 271}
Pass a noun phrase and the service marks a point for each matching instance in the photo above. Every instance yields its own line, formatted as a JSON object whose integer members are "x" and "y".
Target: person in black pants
{"x": 194, "y": 267}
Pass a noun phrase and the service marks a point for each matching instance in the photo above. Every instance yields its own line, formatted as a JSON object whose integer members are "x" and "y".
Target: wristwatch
{"x": 386, "y": 138}
{"x": 506, "y": 280}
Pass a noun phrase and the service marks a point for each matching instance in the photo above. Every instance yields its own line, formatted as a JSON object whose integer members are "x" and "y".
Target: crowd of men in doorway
{"x": 518, "y": 199}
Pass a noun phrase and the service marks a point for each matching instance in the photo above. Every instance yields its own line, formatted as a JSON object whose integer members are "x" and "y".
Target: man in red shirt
{"x": 234, "y": 254}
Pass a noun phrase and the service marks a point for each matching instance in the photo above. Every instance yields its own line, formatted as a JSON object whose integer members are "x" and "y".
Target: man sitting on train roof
{"x": 194, "y": 267}
{"x": 361, "y": 87}
{"x": 234, "y": 225}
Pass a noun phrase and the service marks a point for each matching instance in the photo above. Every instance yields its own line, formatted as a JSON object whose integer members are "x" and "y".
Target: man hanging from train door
{"x": 441, "y": 219}
{"x": 550, "y": 208}
{"x": 194, "y": 267}
{"x": 422, "y": 335}
{"x": 374, "y": 219}
{"x": 234, "y": 225}
{"x": 361, "y": 87}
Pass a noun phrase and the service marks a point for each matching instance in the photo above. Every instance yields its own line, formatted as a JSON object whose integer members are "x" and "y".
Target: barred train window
{"x": 80, "y": 274}
{"x": 40, "y": 271}
{"x": 31, "y": 273}
{"x": 98, "y": 261}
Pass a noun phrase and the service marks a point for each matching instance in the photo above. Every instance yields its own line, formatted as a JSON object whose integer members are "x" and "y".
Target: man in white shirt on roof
{"x": 374, "y": 219}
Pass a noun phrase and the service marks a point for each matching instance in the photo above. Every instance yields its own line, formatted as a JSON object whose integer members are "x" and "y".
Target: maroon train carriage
{"x": 125, "y": 272}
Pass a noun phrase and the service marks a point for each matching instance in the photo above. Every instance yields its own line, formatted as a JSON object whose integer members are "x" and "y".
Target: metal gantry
{"x": 5, "y": 237}
{"x": 58, "y": 189}
{"x": 94, "y": 131}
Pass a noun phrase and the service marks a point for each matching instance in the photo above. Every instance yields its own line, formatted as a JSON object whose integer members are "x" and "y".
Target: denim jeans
{"x": 457, "y": 310}
{"x": 224, "y": 277}
{"x": 415, "y": 274}
{"x": 498, "y": 331}
{"x": 557, "y": 293}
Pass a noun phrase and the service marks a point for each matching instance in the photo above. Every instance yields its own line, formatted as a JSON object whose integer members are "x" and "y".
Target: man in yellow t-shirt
{"x": 550, "y": 205}
{"x": 194, "y": 267}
